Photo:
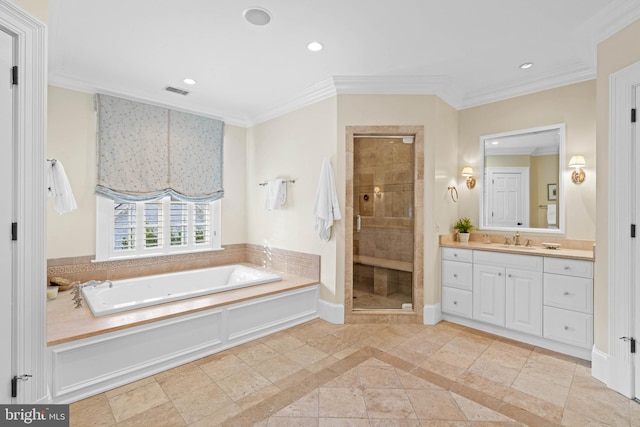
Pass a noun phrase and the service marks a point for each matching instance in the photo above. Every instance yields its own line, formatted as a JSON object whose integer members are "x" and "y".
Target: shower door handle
{"x": 358, "y": 223}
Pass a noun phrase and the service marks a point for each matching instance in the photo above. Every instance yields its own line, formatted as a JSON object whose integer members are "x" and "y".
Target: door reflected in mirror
{"x": 521, "y": 184}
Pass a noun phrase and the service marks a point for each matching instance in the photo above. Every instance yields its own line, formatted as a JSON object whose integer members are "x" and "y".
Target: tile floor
{"x": 320, "y": 374}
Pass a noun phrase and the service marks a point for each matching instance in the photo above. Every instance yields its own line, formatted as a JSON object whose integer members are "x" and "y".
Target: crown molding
{"x": 79, "y": 85}
{"x": 315, "y": 93}
{"x": 364, "y": 85}
{"x": 571, "y": 74}
{"x": 611, "y": 19}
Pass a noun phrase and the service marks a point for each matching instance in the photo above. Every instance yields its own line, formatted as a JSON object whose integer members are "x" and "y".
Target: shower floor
{"x": 365, "y": 299}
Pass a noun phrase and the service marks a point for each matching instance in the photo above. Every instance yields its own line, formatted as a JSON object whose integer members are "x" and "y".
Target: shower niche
{"x": 383, "y": 222}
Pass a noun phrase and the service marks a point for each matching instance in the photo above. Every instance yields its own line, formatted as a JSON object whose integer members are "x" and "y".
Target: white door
{"x": 488, "y": 294}
{"x": 524, "y": 301}
{"x": 6, "y": 178}
{"x": 508, "y": 190}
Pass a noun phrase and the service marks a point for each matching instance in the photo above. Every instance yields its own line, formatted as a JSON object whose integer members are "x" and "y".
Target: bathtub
{"x": 121, "y": 295}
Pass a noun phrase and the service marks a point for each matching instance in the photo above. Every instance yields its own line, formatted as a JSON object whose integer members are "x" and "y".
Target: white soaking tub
{"x": 128, "y": 294}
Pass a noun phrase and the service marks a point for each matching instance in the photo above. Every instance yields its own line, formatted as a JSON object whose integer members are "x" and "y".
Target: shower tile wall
{"x": 383, "y": 183}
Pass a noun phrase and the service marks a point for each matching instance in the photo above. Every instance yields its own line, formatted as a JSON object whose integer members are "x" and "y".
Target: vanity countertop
{"x": 578, "y": 251}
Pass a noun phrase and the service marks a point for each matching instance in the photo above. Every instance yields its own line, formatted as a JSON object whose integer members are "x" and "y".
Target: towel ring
{"x": 453, "y": 190}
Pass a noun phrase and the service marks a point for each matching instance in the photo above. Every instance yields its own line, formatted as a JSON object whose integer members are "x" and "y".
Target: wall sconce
{"x": 471, "y": 180}
{"x": 578, "y": 175}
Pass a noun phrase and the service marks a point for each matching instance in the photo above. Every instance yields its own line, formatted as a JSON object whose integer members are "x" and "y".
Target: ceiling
{"x": 467, "y": 52}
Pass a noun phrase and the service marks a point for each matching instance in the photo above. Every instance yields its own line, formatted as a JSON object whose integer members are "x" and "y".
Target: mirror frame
{"x": 561, "y": 180}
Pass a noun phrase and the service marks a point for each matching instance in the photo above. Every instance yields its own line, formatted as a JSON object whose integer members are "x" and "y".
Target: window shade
{"x": 147, "y": 152}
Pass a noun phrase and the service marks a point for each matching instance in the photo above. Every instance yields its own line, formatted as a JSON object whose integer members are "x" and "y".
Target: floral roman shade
{"x": 147, "y": 152}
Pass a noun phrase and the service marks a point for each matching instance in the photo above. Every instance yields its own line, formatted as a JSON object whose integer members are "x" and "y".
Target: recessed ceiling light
{"x": 314, "y": 46}
{"x": 189, "y": 81}
{"x": 257, "y": 16}
{"x": 526, "y": 65}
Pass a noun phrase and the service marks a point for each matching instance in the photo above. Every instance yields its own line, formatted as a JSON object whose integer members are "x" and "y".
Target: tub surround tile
{"x": 84, "y": 269}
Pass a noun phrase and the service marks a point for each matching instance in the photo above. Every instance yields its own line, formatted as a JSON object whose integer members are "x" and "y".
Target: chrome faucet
{"x": 516, "y": 239}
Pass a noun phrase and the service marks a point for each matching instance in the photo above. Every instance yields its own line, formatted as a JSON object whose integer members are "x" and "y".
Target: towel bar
{"x": 292, "y": 181}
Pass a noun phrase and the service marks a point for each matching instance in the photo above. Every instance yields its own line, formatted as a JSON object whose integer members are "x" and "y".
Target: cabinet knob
{"x": 566, "y": 328}
{"x": 566, "y": 267}
{"x": 499, "y": 274}
{"x": 455, "y": 303}
{"x": 455, "y": 275}
{"x": 455, "y": 255}
{"x": 509, "y": 276}
{"x": 566, "y": 293}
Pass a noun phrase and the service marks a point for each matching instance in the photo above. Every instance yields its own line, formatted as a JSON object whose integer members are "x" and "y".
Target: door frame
{"x": 523, "y": 171}
{"x": 350, "y": 315}
{"x": 29, "y": 268}
{"x": 616, "y": 367}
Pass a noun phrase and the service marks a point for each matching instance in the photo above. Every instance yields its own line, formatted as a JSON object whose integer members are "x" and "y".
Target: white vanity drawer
{"x": 521, "y": 262}
{"x": 570, "y": 292}
{"x": 456, "y": 301}
{"x": 569, "y": 327}
{"x": 455, "y": 254}
{"x": 570, "y": 267}
{"x": 457, "y": 274}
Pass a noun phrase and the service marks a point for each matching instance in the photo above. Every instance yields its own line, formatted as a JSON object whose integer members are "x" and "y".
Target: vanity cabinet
{"x": 507, "y": 290}
{"x": 568, "y": 301}
{"x": 539, "y": 299}
{"x": 489, "y": 294}
{"x": 457, "y": 279}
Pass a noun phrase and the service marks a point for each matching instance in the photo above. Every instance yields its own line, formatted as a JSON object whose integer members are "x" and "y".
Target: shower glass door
{"x": 383, "y": 229}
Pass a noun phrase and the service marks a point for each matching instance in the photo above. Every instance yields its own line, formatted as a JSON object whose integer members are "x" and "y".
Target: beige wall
{"x": 37, "y": 8}
{"x": 614, "y": 54}
{"x": 293, "y": 146}
{"x": 71, "y": 133}
{"x": 574, "y": 105}
{"x": 71, "y": 139}
{"x": 544, "y": 170}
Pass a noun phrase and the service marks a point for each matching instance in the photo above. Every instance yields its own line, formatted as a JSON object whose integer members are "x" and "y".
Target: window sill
{"x": 130, "y": 257}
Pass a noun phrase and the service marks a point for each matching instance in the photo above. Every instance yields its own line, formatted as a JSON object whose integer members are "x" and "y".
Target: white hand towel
{"x": 551, "y": 214}
{"x": 59, "y": 188}
{"x": 276, "y": 194}
{"x": 326, "y": 208}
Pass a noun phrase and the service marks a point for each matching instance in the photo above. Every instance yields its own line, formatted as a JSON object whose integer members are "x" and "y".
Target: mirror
{"x": 521, "y": 183}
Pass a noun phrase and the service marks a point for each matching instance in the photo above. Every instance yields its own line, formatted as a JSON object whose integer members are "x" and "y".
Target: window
{"x": 159, "y": 227}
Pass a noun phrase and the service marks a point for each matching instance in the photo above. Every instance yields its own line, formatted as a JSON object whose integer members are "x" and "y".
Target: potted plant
{"x": 463, "y": 227}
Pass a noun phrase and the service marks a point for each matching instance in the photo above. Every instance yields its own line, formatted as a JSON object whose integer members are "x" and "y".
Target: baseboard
{"x": 332, "y": 313}
{"x": 432, "y": 314}
{"x": 600, "y": 365}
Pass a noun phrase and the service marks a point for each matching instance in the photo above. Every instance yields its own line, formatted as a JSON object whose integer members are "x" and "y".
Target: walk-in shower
{"x": 383, "y": 228}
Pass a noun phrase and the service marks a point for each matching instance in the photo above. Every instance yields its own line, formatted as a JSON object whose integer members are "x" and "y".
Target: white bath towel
{"x": 59, "y": 188}
{"x": 276, "y": 194}
{"x": 551, "y": 214}
{"x": 326, "y": 208}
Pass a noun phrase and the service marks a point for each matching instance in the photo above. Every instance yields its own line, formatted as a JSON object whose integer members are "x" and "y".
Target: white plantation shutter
{"x": 179, "y": 223}
{"x": 165, "y": 226}
{"x": 201, "y": 224}
{"x": 124, "y": 227}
